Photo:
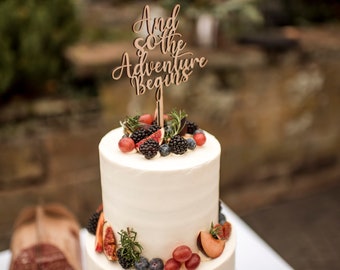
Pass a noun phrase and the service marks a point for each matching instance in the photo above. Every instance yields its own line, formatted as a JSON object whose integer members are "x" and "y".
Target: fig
{"x": 99, "y": 234}
{"x": 157, "y": 136}
{"x": 221, "y": 231}
{"x": 209, "y": 245}
{"x": 109, "y": 242}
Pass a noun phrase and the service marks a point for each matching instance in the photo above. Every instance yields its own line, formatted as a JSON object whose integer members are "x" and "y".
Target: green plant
{"x": 234, "y": 15}
{"x": 34, "y": 34}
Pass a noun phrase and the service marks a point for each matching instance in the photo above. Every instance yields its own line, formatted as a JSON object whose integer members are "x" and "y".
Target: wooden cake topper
{"x": 148, "y": 75}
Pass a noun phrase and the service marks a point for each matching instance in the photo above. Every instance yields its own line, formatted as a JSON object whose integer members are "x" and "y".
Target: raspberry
{"x": 178, "y": 145}
{"x": 149, "y": 148}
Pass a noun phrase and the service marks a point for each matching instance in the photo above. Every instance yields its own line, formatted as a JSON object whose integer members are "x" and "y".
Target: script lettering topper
{"x": 147, "y": 74}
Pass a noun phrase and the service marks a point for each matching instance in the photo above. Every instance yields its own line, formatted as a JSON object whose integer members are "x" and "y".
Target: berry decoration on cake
{"x": 191, "y": 127}
{"x": 142, "y": 264}
{"x": 177, "y": 136}
{"x": 139, "y": 135}
{"x": 92, "y": 222}
{"x": 178, "y": 145}
{"x": 156, "y": 264}
{"x": 149, "y": 148}
{"x": 191, "y": 144}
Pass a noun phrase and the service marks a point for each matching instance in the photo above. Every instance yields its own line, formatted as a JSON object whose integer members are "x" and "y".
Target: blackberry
{"x": 139, "y": 135}
{"x": 142, "y": 264}
{"x": 156, "y": 264}
{"x": 92, "y": 223}
{"x": 149, "y": 148}
{"x": 191, "y": 127}
{"x": 125, "y": 261}
{"x": 178, "y": 145}
{"x": 153, "y": 129}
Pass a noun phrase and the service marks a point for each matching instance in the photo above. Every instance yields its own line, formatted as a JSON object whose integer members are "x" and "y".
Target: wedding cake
{"x": 159, "y": 173}
{"x": 169, "y": 200}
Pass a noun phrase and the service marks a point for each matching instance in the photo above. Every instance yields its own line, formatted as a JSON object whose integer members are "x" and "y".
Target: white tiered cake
{"x": 166, "y": 200}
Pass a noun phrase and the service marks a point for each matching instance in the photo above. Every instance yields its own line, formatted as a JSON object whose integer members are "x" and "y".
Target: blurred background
{"x": 270, "y": 93}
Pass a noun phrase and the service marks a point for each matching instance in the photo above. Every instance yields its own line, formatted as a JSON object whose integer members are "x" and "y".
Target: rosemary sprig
{"x": 215, "y": 231}
{"x": 174, "y": 125}
{"x": 130, "y": 124}
{"x": 131, "y": 249}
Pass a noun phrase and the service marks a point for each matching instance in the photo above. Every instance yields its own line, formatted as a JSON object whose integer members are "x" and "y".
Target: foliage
{"x": 238, "y": 16}
{"x": 34, "y": 34}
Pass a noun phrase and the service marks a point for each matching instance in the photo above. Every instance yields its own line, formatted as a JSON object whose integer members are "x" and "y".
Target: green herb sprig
{"x": 130, "y": 124}
{"x": 174, "y": 125}
{"x": 131, "y": 249}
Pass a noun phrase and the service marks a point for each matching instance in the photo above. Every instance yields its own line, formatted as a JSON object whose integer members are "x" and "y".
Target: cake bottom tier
{"x": 226, "y": 261}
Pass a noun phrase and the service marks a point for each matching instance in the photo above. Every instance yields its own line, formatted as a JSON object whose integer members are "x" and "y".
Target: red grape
{"x": 126, "y": 144}
{"x": 146, "y": 119}
{"x": 172, "y": 264}
{"x": 193, "y": 262}
{"x": 182, "y": 253}
{"x": 199, "y": 138}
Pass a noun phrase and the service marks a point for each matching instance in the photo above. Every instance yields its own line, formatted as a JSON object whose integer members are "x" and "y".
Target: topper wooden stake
{"x": 159, "y": 107}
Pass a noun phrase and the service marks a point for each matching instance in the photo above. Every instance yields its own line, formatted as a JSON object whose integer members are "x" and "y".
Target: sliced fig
{"x": 209, "y": 245}
{"x": 109, "y": 242}
{"x": 221, "y": 231}
{"x": 99, "y": 234}
{"x": 226, "y": 227}
{"x": 157, "y": 136}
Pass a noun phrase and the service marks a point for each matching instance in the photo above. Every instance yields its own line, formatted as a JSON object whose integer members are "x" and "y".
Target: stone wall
{"x": 277, "y": 121}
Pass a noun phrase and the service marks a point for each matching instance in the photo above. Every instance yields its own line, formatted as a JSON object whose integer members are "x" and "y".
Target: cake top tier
{"x": 110, "y": 150}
